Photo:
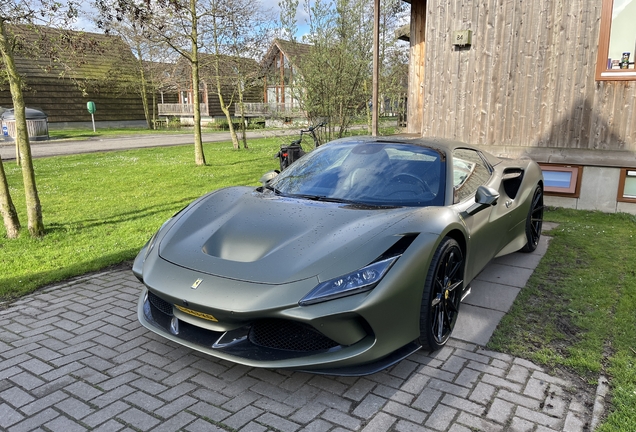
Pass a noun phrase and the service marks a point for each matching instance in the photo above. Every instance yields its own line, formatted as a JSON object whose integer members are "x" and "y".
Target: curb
{"x": 599, "y": 402}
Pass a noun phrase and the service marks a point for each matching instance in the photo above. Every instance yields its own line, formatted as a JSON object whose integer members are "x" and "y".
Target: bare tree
{"x": 176, "y": 23}
{"x": 7, "y": 209}
{"x": 332, "y": 80}
{"x": 238, "y": 33}
{"x": 14, "y": 13}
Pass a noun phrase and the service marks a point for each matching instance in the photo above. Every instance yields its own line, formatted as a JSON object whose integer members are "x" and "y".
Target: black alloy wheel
{"x": 442, "y": 295}
{"x": 534, "y": 221}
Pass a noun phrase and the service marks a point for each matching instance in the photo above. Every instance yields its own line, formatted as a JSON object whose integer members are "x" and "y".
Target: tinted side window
{"x": 469, "y": 172}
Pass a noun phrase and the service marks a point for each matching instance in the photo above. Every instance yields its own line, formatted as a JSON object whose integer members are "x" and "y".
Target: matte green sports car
{"x": 354, "y": 257}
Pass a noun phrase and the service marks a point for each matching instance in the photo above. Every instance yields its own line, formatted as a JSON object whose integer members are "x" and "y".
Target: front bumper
{"x": 270, "y": 342}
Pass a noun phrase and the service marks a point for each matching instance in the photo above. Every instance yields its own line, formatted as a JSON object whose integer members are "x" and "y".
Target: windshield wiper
{"x": 323, "y": 198}
{"x": 273, "y": 189}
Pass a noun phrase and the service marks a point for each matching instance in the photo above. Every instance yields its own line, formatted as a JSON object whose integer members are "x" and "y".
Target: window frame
{"x": 574, "y": 190}
{"x": 620, "y": 197}
{"x": 602, "y": 72}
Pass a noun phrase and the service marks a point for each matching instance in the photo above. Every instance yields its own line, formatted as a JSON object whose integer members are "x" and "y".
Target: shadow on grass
{"x": 120, "y": 218}
{"x": 12, "y": 288}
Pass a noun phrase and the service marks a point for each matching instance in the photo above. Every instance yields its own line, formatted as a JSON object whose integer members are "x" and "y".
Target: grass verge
{"x": 578, "y": 310}
{"x": 100, "y": 208}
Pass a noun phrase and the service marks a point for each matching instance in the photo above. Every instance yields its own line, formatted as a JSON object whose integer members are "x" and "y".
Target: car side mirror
{"x": 484, "y": 197}
{"x": 269, "y": 176}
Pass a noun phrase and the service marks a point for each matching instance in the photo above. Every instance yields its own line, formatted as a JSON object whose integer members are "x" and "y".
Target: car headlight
{"x": 355, "y": 282}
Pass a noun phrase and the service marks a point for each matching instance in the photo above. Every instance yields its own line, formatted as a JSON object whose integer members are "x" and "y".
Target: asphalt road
{"x": 65, "y": 147}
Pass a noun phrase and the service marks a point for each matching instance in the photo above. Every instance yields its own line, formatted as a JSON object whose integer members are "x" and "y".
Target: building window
{"x": 617, "y": 41}
{"x": 627, "y": 185}
{"x": 562, "y": 180}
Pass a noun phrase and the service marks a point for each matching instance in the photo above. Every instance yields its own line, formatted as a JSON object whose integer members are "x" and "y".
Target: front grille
{"x": 290, "y": 336}
{"x": 160, "y": 304}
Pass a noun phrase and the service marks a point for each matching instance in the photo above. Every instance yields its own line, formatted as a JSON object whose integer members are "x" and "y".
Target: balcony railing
{"x": 269, "y": 110}
{"x": 181, "y": 109}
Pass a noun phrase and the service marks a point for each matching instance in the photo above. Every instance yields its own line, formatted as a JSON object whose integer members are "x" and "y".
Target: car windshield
{"x": 368, "y": 173}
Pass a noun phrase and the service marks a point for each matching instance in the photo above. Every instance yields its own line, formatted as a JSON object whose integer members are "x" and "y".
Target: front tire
{"x": 442, "y": 295}
{"x": 534, "y": 221}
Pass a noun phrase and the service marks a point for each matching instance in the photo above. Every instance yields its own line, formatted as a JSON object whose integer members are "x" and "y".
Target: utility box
{"x": 37, "y": 125}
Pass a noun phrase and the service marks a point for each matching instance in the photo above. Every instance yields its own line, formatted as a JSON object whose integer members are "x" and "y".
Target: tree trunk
{"x": 199, "y": 156}
{"x": 144, "y": 91}
{"x": 7, "y": 209}
{"x": 34, "y": 209}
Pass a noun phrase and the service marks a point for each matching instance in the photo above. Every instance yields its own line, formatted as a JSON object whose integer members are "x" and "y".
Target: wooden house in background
{"x": 63, "y": 70}
{"x": 552, "y": 80}
{"x": 279, "y": 67}
{"x": 232, "y": 72}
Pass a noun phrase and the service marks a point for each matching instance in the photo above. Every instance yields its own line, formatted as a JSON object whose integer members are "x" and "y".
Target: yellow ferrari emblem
{"x": 196, "y": 283}
{"x": 197, "y": 314}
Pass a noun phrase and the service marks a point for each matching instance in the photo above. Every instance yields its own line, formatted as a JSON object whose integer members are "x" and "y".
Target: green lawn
{"x": 99, "y": 209}
{"x": 578, "y": 310}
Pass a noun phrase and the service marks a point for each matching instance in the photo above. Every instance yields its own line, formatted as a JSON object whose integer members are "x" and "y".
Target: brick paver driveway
{"x": 73, "y": 357}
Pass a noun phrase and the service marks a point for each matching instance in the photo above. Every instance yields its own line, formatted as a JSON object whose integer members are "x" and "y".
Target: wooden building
{"x": 232, "y": 72}
{"x": 279, "y": 67}
{"x": 63, "y": 70}
{"x": 542, "y": 79}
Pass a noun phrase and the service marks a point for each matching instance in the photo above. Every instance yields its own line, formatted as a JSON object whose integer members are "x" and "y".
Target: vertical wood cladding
{"x": 526, "y": 80}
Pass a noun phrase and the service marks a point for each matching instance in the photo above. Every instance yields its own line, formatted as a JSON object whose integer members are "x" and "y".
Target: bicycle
{"x": 288, "y": 154}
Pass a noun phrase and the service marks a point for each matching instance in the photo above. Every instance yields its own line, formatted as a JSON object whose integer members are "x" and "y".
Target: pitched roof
{"x": 47, "y": 52}
{"x": 294, "y": 51}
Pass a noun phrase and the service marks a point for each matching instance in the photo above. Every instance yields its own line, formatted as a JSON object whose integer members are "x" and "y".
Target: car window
{"x": 469, "y": 172}
{"x": 373, "y": 173}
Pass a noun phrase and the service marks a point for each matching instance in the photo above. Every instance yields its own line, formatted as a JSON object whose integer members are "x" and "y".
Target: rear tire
{"x": 442, "y": 295}
{"x": 534, "y": 221}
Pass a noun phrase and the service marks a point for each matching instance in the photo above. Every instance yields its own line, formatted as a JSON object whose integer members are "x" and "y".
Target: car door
{"x": 488, "y": 228}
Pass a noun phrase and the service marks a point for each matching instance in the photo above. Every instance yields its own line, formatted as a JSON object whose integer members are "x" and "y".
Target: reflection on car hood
{"x": 245, "y": 235}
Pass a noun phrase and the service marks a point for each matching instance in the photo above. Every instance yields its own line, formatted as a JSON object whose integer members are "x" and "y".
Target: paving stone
{"x": 427, "y": 400}
{"x": 405, "y": 412}
{"x": 406, "y": 426}
{"x": 415, "y": 384}
{"x": 369, "y": 406}
{"x": 359, "y": 390}
{"x": 500, "y": 382}
{"x": 74, "y": 408}
{"x": 206, "y": 410}
{"x": 253, "y": 427}
{"x": 138, "y": 419}
{"x": 441, "y": 417}
{"x": 308, "y": 413}
{"x": 500, "y": 411}
{"x": 341, "y": 419}
{"x": 242, "y": 417}
{"x": 32, "y": 423}
{"x": 278, "y": 423}
{"x": 8, "y": 416}
{"x": 518, "y": 374}
{"x": 520, "y": 425}
{"x": 270, "y": 405}
{"x": 176, "y": 423}
{"x": 16, "y": 397}
{"x": 574, "y": 423}
{"x": 380, "y": 423}
{"x": 537, "y": 417}
{"x": 478, "y": 423}
{"x": 464, "y": 405}
{"x": 105, "y": 414}
{"x": 63, "y": 424}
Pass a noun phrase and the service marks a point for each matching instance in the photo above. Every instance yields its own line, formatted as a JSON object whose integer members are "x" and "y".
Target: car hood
{"x": 241, "y": 234}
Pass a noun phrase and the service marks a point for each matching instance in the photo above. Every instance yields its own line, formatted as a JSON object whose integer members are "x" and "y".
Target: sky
{"x": 86, "y": 23}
